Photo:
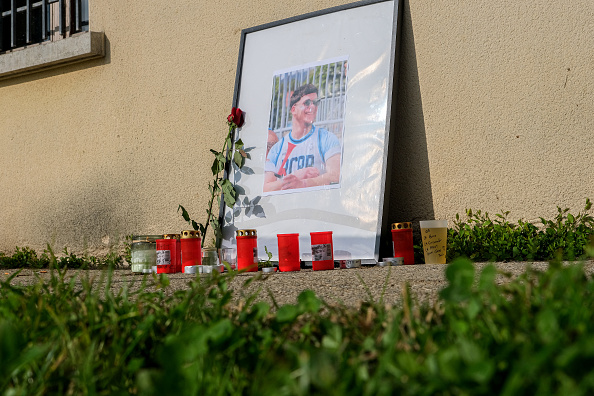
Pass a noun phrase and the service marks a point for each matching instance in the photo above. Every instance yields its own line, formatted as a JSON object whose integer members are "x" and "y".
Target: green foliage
{"x": 482, "y": 238}
{"x": 128, "y": 248}
{"x": 28, "y": 258}
{"x": 531, "y": 335}
{"x": 567, "y": 233}
{"x": 23, "y": 258}
{"x": 266, "y": 263}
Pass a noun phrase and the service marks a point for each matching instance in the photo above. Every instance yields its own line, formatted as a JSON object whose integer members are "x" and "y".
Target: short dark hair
{"x": 300, "y": 92}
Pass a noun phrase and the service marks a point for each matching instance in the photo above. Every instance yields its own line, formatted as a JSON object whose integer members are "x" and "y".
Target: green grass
{"x": 532, "y": 335}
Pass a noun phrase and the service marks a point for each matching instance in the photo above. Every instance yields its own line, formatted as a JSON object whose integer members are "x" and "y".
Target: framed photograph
{"x": 318, "y": 92}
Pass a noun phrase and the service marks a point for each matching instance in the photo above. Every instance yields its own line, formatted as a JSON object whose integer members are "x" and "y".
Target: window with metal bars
{"x": 26, "y": 22}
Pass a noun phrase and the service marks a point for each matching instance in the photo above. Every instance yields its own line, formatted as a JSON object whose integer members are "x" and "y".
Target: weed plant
{"x": 28, "y": 258}
{"x": 484, "y": 238}
{"x": 531, "y": 335}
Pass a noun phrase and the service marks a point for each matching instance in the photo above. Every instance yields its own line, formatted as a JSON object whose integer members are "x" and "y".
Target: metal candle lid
{"x": 241, "y": 233}
{"x": 187, "y": 234}
{"x": 171, "y": 236}
{"x": 401, "y": 226}
{"x": 145, "y": 238}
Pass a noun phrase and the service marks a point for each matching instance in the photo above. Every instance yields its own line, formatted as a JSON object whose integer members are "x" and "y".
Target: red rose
{"x": 236, "y": 116}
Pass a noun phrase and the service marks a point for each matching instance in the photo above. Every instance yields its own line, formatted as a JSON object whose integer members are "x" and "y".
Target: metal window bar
{"x": 43, "y": 20}
{"x": 78, "y": 25}
{"x": 329, "y": 96}
{"x": 12, "y": 23}
{"x": 53, "y": 19}
{"x": 281, "y": 101}
{"x": 28, "y": 22}
{"x": 285, "y": 99}
{"x": 271, "y": 118}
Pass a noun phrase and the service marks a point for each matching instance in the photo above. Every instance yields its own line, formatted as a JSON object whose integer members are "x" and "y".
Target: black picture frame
{"x": 367, "y": 34}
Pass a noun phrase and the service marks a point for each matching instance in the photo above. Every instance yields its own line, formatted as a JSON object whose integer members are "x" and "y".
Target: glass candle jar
{"x": 143, "y": 252}
{"x": 229, "y": 257}
{"x": 210, "y": 256}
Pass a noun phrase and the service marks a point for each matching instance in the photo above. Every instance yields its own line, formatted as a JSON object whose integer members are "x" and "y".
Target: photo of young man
{"x": 308, "y": 156}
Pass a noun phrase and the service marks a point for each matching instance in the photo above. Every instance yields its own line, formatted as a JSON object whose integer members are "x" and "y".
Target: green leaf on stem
{"x": 216, "y": 227}
{"x": 229, "y": 193}
{"x": 238, "y": 159}
{"x": 218, "y": 164}
{"x": 185, "y": 214}
{"x": 228, "y": 188}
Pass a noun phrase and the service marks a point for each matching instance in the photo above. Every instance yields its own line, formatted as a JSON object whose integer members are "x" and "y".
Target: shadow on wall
{"x": 83, "y": 217}
{"x": 61, "y": 69}
{"x": 410, "y": 198}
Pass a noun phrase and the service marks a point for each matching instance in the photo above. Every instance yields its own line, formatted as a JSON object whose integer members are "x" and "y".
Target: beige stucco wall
{"x": 497, "y": 104}
{"x": 495, "y": 112}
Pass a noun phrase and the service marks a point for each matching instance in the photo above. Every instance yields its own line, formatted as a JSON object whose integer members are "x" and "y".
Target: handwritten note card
{"x": 434, "y": 245}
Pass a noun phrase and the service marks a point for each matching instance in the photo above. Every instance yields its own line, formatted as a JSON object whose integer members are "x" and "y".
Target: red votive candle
{"x": 322, "y": 251}
{"x": 288, "y": 252}
{"x": 402, "y": 239}
{"x": 247, "y": 250}
{"x": 191, "y": 252}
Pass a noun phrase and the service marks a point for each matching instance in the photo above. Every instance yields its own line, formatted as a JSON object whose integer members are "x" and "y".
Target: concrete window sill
{"x": 43, "y": 56}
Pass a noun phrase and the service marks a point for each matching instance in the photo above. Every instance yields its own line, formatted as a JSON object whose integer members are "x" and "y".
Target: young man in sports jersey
{"x": 308, "y": 156}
